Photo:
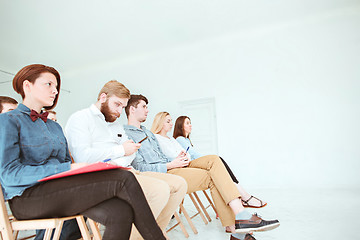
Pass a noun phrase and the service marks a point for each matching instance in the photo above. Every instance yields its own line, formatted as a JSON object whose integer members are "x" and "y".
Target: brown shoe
{"x": 247, "y": 237}
{"x": 255, "y": 224}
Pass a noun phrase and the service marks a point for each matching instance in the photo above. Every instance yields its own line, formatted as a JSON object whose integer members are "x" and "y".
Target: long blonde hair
{"x": 158, "y": 122}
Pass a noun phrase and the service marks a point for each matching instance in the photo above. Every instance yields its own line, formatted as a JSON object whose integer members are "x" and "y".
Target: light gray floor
{"x": 303, "y": 214}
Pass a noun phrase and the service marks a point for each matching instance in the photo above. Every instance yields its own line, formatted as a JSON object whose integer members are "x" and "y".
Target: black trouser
{"x": 229, "y": 171}
{"x": 113, "y": 198}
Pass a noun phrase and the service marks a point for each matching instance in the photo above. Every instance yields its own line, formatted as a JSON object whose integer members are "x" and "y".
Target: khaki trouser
{"x": 209, "y": 172}
{"x": 164, "y": 193}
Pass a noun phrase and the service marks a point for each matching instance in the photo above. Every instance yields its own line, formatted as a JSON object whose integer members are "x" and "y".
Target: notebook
{"x": 93, "y": 167}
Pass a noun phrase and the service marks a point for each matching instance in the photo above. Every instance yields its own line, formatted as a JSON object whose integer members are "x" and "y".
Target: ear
{"x": 132, "y": 109}
{"x": 26, "y": 86}
{"x": 103, "y": 97}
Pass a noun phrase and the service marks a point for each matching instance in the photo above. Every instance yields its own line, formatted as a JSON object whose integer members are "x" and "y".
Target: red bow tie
{"x": 34, "y": 115}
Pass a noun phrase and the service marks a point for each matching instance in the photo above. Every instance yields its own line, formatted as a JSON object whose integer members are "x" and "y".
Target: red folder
{"x": 93, "y": 167}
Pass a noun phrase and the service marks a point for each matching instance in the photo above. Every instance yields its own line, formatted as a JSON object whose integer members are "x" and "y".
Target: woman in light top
{"x": 171, "y": 148}
{"x": 33, "y": 147}
{"x": 182, "y": 132}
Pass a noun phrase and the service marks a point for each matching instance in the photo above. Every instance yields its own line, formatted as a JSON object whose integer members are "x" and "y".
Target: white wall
{"x": 287, "y": 94}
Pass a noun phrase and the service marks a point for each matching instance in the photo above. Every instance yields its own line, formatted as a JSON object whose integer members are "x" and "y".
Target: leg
{"x": 219, "y": 175}
{"x": 76, "y": 194}
{"x": 199, "y": 179}
{"x": 229, "y": 171}
{"x": 113, "y": 213}
{"x": 157, "y": 194}
{"x": 178, "y": 188}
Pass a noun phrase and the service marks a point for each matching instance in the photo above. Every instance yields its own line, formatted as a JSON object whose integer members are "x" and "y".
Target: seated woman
{"x": 171, "y": 148}
{"x": 182, "y": 132}
{"x": 32, "y": 148}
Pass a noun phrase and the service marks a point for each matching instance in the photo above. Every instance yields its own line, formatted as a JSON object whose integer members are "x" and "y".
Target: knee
{"x": 178, "y": 185}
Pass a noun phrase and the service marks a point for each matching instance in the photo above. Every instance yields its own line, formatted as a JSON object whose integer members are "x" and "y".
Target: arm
{"x": 15, "y": 169}
{"x": 185, "y": 143}
{"x": 79, "y": 135}
{"x": 140, "y": 164}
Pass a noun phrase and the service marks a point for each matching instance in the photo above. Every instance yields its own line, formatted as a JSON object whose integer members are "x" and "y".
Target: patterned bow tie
{"x": 34, "y": 115}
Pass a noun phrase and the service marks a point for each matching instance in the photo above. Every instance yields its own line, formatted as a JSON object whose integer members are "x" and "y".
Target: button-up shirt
{"x": 92, "y": 139}
{"x": 149, "y": 157}
{"x": 29, "y": 151}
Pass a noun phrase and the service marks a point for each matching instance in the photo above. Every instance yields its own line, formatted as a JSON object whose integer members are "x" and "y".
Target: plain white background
{"x": 285, "y": 75}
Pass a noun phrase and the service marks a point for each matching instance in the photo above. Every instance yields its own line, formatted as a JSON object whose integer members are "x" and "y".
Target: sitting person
{"x": 94, "y": 134}
{"x": 70, "y": 229}
{"x": 162, "y": 124}
{"x": 32, "y": 148}
{"x": 182, "y": 132}
{"x": 7, "y": 104}
{"x": 200, "y": 174}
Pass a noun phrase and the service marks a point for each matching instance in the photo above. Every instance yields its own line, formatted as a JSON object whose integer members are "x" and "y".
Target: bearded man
{"x": 94, "y": 135}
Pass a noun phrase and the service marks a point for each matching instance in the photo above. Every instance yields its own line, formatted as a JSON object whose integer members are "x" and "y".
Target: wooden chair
{"x": 200, "y": 210}
{"x": 179, "y": 222}
{"x": 10, "y": 226}
{"x": 211, "y": 204}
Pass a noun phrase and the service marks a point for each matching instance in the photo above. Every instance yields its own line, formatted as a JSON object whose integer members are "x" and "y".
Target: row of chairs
{"x": 10, "y": 227}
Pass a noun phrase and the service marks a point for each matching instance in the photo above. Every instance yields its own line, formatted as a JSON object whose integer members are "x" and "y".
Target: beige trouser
{"x": 164, "y": 193}
{"x": 209, "y": 172}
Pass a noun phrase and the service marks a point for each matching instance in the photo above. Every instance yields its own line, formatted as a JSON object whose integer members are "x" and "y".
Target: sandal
{"x": 247, "y": 205}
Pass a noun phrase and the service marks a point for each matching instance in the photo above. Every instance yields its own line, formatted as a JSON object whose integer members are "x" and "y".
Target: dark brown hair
{"x": 5, "y": 99}
{"x": 134, "y": 101}
{"x": 179, "y": 127}
{"x": 31, "y": 73}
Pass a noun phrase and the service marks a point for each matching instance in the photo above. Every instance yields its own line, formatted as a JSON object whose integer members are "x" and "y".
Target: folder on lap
{"x": 93, "y": 167}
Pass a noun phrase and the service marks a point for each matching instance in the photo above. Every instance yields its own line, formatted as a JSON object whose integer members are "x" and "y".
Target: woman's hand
{"x": 77, "y": 165}
{"x": 181, "y": 161}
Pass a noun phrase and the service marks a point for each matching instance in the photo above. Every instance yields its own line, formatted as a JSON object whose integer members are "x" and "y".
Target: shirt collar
{"x": 24, "y": 109}
{"x": 130, "y": 127}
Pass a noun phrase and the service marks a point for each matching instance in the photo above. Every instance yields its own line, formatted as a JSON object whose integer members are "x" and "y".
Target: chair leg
{"x": 188, "y": 218}
{"x": 202, "y": 207}
{"x": 58, "y": 230}
{"x": 95, "y": 229}
{"x": 48, "y": 233}
{"x": 197, "y": 208}
{"x": 179, "y": 222}
{"x": 83, "y": 228}
{"x": 210, "y": 201}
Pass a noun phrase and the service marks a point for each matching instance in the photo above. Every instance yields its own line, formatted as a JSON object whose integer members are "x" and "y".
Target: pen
{"x": 106, "y": 160}
{"x": 187, "y": 150}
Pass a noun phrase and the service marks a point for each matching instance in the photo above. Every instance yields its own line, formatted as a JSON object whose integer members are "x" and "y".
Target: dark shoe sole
{"x": 258, "y": 229}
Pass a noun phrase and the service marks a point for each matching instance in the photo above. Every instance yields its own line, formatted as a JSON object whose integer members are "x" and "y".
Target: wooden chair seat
{"x": 9, "y": 225}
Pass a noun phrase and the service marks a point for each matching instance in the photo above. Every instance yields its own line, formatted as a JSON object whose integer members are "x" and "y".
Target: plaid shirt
{"x": 149, "y": 157}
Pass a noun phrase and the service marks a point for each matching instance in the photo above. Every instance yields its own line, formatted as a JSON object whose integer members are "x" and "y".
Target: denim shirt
{"x": 29, "y": 151}
{"x": 149, "y": 157}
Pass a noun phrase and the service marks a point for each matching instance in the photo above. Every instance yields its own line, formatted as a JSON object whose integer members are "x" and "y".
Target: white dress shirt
{"x": 92, "y": 139}
{"x": 169, "y": 146}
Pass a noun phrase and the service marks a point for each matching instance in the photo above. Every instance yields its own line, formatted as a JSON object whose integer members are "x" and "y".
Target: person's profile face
{"x": 141, "y": 111}
{"x": 7, "y": 107}
{"x": 44, "y": 89}
{"x": 187, "y": 126}
{"x": 112, "y": 108}
{"x": 168, "y": 124}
